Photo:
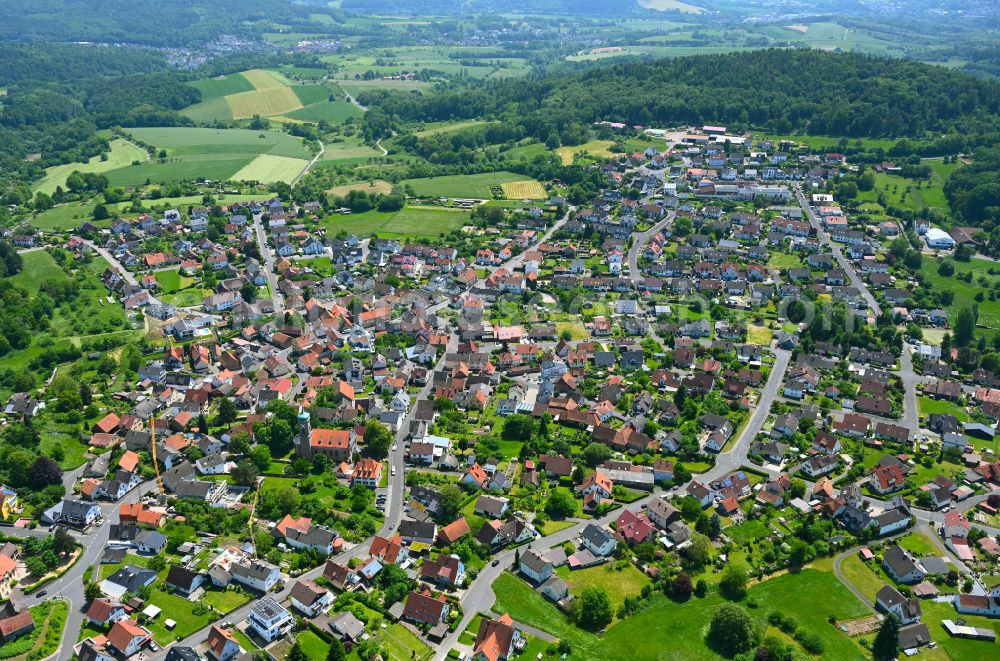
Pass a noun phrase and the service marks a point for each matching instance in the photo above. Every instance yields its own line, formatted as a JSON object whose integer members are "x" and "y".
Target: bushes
{"x": 810, "y": 641}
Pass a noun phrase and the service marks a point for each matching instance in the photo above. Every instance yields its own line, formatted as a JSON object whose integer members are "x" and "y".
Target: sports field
{"x": 122, "y": 153}
{"x": 268, "y": 168}
{"x": 523, "y": 190}
{"x": 466, "y": 185}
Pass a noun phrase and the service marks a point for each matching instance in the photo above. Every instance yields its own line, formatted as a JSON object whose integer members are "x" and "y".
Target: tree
{"x": 711, "y": 526}
{"x": 280, "y": 438}
{"x": 62, "y": 542}
{"x": 733, "y": 583}
{"x": 296, "y": 653}
{"x": 378, "y": 438}
{"x": 227, "y": 411}
{"x": 731, "y": 630}
{"x": 451, "y": 501}
{"x": 245, "y": 472}
{"x": 44, "y": 472}
{"x": 682, "y": 586}
{"x": 965, "y": 327}
{"x": 36, "y": 566}
{"x": 596, "y": 453}
{"x": 699, "y": 552}
{"x": 595, "y": 609}
{"x": 260, "y": 455}
{"x": 248, "y": 291}
{"x": 337, "y": 651}
{"x": 92, "y": 591}
{"x": 518, "y": 427}
{"x": 560, "y": 504}
{"x": 886, "y": 642}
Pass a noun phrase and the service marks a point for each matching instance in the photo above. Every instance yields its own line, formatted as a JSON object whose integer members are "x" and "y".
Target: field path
{"x": 305, "y": 170}
{"x": 378, "y": 143}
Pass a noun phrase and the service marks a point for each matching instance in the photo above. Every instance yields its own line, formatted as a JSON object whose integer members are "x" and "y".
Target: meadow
{"x": 377, "y": 186}
{"x": 409, "y": 222}
{"x": 268, "y": 168}
{"x": 122, "y": 153}
{"x": 204, "y": 153}
{"x": 523, "y": 190}
{"x": 598, "y": 148}
{"x": 965, "y": 292}
{"x": 467, "y": 185}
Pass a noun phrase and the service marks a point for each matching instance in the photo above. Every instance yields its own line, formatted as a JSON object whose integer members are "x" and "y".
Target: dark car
{"x": 41, "y": 594}
{"x": 494, "y": 563}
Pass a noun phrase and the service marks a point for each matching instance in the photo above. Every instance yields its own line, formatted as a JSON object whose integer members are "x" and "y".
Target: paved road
{"x": 837, "y": 252}
{"x": 111, "y": 259}
{"x": 639, "y": 243}
{"x": 910, "y": 380}
{"x": 268, "y": 258}
{"x": 305, "y": 170}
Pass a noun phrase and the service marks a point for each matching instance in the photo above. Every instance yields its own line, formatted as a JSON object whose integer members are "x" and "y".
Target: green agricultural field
{"x": 310, "y": 94}
{"x": 333, "y": 112}
{"x": 347, "y": 150}
{"x": 409, "y": 222}
{"x": 355, "y": 87}
{"x": 204, "y": 153}
{"x": 211, "y": 88}
{"x": 467, "y": 185}
{"x": 671, "y": 5}
{"x": 209, "y": 110}
{"x": 122, "y": 153}
{"x": 268, "y": 168}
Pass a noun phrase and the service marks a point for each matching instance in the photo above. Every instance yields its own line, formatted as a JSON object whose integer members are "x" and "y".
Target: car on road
{"x": 393, "y": 471}
{"x": 494, "y": 563}
{"x": 394, "y": 446}
{"x": 41, "y": 594}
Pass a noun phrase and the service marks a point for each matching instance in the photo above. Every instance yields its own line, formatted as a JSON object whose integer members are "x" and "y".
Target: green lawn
{"x": 224, "y": 600}
{"x": 169, "y": 281}
{"x": 314, "y": 646}
{"x": 618, "y": 584}
{"x": 402, "y": 644}
{"x": 780, "y": 260}
{"x": 749, "y": 531}
{"x": 179, "y": 610}
{"x": 418, "y": 222}
{"x": 919, "y": 545}
{"x": 928, "y": 405}
{"x": 466, "y": 185}
{"x": 809, "y": 595}
{"x": 860, "y": 576}
{"x": 959, "y": 649}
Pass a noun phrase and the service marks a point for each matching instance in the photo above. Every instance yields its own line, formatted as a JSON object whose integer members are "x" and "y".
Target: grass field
{"x": 435, "y": 128}
{"x": 268, "y": 168}
{"x": 523, "y": 190}
{"x": 178, "y": 609}
{"x": 211, "y": 88}
{"x": 329, "y": 111}
{"x": 759, "y": 335}
{"x": 224, "y": 600}
{"x": 618, "y": 584}
{"x": 780, "y": 260}
{"x": 377, "y": 186}
{"x": 204, "y": 153}
{"x": 351, "y": 149}
{"x": 749, "y": 531}
{"x": 918, "y": 544}
{"x": 810, "y": 596}
{"x": 355, "y": 87}
{"x": 927, "y": 406}
{"x": 417, "y": 222}
{"x": 965, "y": 292}
{"x": 860, "y": 576}
{"x": 598, "y": 148}
{"x": 38, "y": 267}
{"x": 122, "y": 153}
{"x": 671, "y": 5}
{"x": 314, "y": 646}
{"x": 264, "y": 102}
{"x": 466, "y": 185}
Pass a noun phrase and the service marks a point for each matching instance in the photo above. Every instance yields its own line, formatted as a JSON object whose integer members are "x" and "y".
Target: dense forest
{"x": 973, "y": 191}
{"x": 146, "y": 22}
{"x": 781, "y": 90}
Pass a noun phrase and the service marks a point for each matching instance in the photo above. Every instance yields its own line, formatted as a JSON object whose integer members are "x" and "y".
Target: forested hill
{"x": 783, "y": 90}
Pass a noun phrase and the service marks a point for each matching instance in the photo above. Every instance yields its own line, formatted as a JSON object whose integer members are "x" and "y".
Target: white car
{"x": 393, "y": 471}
